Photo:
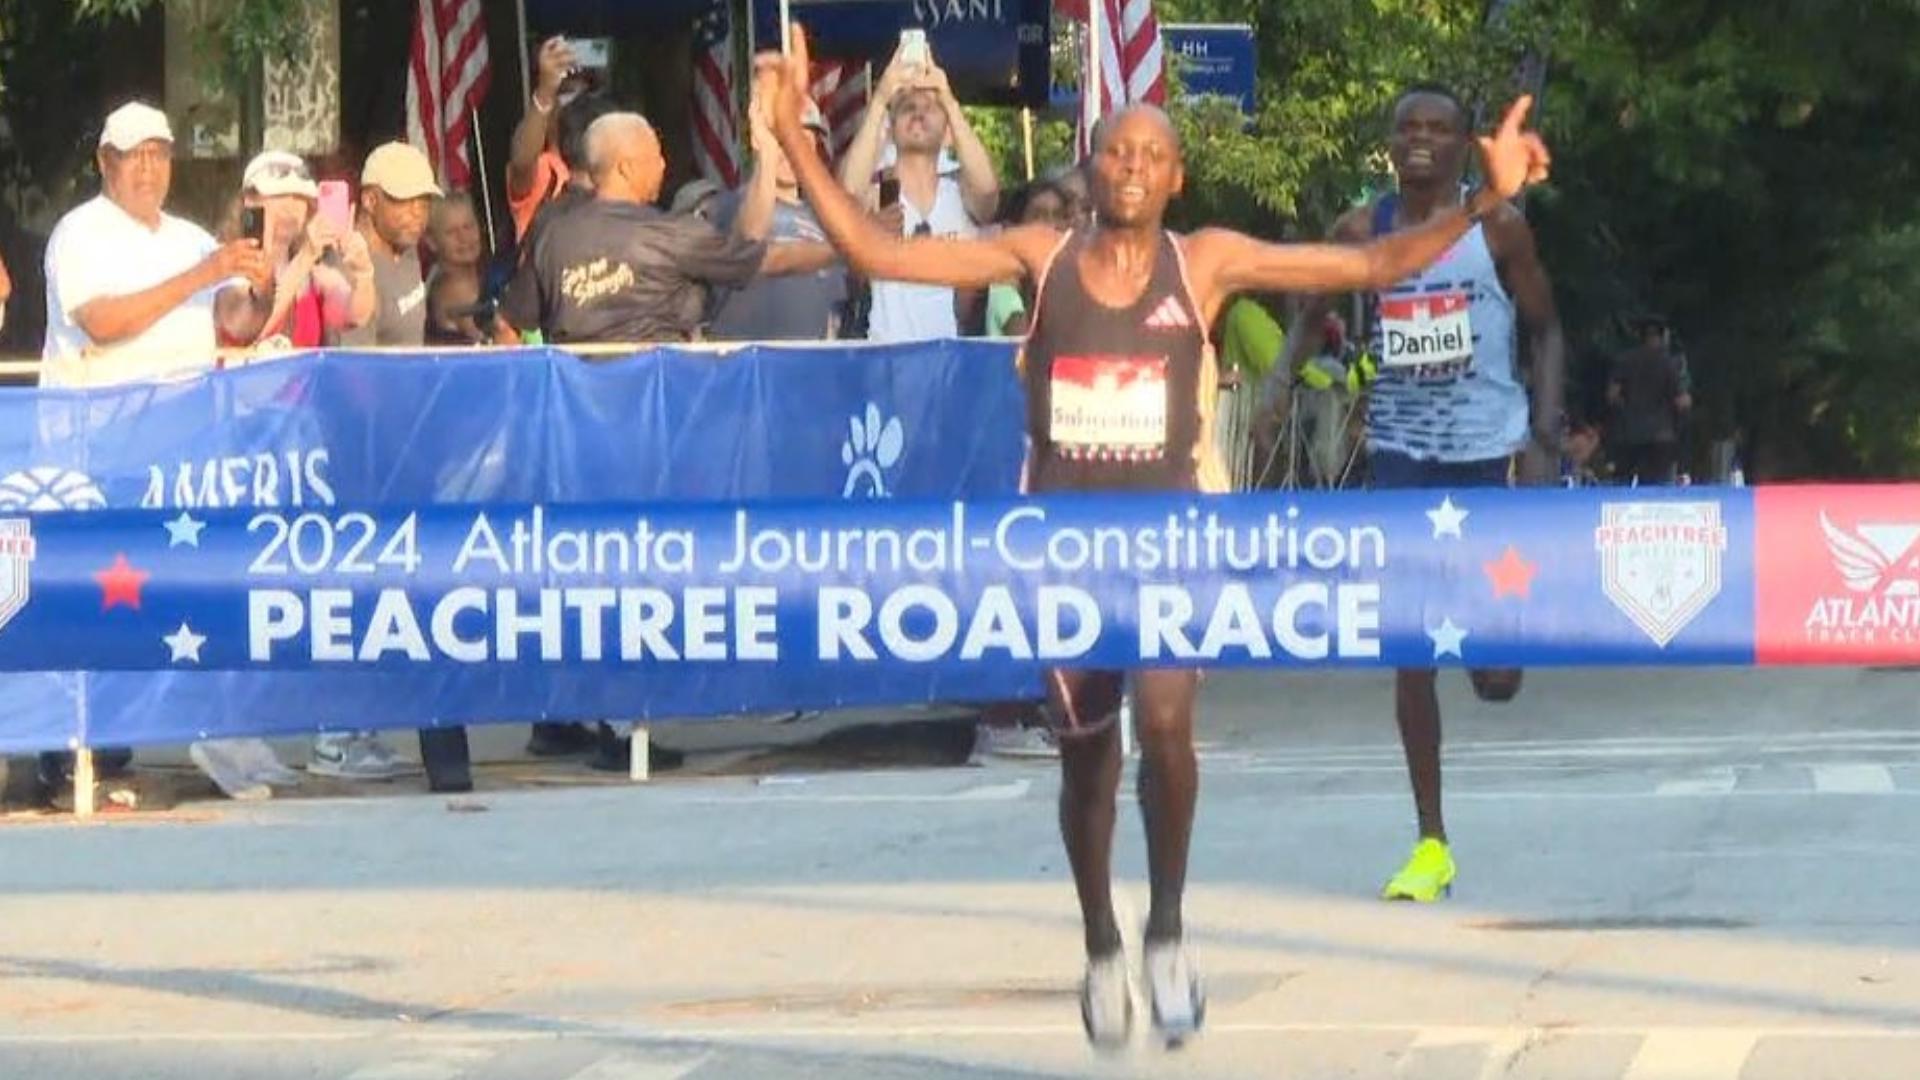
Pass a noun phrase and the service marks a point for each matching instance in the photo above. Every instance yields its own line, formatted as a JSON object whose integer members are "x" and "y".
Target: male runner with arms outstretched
{"x": 1126, "y": 292}
{"x": 1448, "y": 408}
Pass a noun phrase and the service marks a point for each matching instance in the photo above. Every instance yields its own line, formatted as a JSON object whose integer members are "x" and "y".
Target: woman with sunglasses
{"x": 323, "y": 277}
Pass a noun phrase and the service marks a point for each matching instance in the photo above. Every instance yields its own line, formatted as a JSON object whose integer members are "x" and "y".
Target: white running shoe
{"x": 1179, "y": 1000}
{"x": 357, "y": 756}
{"x": 1106, "y": 1001}
{"x": 262, "y": 764}
{"x": 224, "y": 763}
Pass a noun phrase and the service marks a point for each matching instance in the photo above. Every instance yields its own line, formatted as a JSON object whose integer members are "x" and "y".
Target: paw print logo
{"x": 872, "y": 447}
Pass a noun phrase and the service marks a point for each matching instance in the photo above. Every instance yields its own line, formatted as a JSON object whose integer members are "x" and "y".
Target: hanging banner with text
{"x": 488, "y": 612}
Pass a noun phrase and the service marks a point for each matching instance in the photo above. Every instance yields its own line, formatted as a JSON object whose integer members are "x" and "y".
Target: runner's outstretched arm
{"x": 962, "y": 263}
{"x": 1513, "y": 158}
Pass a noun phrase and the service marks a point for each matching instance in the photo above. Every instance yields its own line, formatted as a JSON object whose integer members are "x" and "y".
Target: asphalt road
{"x": 1701, "y": 874}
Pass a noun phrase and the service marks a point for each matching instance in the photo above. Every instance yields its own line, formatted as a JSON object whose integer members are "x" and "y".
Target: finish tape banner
{"x": 313, "y": 432}
{"x": 683, "y": 610}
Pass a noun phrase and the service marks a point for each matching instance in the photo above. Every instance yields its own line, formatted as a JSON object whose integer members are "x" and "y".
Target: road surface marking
{"x": 623, "y": 1067}
{"x": 443, "y": 1062}
{"x": 1500, "y": 1046}
{"x": 1852, "y": 779}
{"x": 1718, "y": 781}
{"x": 1705, "y": 1054}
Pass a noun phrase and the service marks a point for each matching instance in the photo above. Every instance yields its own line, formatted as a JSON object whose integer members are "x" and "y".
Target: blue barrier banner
{"x": 931, "y": 420}
{"x": 681, "y": 610}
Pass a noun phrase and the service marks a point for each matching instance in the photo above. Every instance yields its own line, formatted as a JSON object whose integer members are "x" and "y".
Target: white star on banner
{"x": 1447, "y": 519}
{"x": 1446, "y": 639}
{"x": 184, "y": 529}
{"x": 185, "y": 643}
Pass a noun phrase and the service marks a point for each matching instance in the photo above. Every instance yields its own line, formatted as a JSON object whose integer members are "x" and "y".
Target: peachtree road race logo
{"x": 49, "y": 488}
{"x": 872, "y": 447}
{"x": 16, "y": 554}
{"x": 1660, "y": 562}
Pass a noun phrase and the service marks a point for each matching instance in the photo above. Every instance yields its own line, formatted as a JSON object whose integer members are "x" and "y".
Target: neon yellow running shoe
{"x": 1427, "y": 877}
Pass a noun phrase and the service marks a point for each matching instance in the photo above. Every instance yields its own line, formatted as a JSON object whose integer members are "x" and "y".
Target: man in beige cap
{"x": 132, "y": 291}
{"x": 396, "y": 190}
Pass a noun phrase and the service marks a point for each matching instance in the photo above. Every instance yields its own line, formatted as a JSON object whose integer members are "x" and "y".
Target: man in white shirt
{"x": 132, "y": 291}
{"x": 914, "y": 107}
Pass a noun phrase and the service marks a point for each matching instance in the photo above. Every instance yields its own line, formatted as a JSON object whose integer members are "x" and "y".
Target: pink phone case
{"x": 335, "y": 204}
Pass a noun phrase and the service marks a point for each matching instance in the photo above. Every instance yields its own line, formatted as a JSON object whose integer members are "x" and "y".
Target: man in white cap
{"x": 396, "y": 191}
{"x": 132, "y": 291}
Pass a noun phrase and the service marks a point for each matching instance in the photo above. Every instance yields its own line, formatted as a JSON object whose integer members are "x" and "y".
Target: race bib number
{"x": 1113, "y": 404}
{"x": 1432, "y": 332}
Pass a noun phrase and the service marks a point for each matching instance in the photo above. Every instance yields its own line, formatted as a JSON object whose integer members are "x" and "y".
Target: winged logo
{"x": 1870, "y": 556}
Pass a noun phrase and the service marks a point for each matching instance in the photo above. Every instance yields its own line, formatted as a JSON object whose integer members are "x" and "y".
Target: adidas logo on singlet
{"x": 1170, "y": 315}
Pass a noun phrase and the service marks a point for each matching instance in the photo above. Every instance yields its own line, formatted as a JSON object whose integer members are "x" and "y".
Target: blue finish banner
{"x": 769, "y": 605}
{"x": 471, "y": 613}
{"x": 932, "y": 420}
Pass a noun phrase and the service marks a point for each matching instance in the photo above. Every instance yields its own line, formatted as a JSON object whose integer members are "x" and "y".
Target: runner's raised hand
{"x": 1514, "y": 158}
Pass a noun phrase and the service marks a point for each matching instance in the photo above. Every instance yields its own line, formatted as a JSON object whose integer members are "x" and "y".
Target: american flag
{"x": 447, "y": 76}
{"x": 716, "y": 125}
{"x": 1133, "y": 64}
{"x": 841, "y": 88}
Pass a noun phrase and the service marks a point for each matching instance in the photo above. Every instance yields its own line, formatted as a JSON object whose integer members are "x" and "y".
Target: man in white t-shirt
{"x": 913, "y": 106}
{"x": 132, "y": 291}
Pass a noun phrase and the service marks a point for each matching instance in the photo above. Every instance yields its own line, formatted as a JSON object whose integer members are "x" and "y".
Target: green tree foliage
{"x": 1747, "y": 169}
{"x": 242, "y": 31}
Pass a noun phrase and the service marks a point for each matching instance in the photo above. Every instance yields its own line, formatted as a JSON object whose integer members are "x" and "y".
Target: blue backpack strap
{"x": 1383, "y": 211}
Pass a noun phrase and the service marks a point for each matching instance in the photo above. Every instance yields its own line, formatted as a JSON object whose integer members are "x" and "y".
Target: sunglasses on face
{"x": 281, "y": 170}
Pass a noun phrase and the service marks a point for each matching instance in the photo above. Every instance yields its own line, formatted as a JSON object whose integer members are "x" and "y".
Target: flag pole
{"x": 1092, "y": 87}
{"x": 520, "y": 28}
{"x": 1026, "y": 132}
{"x": 486, "y": 188}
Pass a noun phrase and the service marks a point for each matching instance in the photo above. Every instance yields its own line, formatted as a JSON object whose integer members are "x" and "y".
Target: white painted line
{"x": 623, "y": 1067}
{"x": 1852, "y": 779}
{"x": 1718, "y": 781}
{"x": 1501, "y": 1045}
{"x": 1706, "y": 1054}
{"x": 447, "y": 1062}
{"x": 1008, "y": 792}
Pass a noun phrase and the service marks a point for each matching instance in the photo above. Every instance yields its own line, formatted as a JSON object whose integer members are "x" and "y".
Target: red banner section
{"x": 1837, "y": 575}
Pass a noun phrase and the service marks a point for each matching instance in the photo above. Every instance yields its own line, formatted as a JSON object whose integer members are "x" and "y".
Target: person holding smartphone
{"x": 536, "y": 170}
{"x": 322, "y": 273}
{"x": 132, "y": 291}
{"x": 923, "y": 191}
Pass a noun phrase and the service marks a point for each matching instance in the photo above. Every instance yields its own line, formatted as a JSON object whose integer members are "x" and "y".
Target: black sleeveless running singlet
{"x": 1113, "y": 399}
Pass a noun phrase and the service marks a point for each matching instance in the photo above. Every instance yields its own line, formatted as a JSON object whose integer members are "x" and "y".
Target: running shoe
{"x": 357, "y": 757}
{"x": 221, "y": 761}
{"x": 1427, "y": 876}
{"x": 1179, "y": 999}
{"x": 1106, "y": 1001}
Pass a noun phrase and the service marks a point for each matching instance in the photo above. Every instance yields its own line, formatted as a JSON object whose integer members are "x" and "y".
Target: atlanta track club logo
{"x": 16, "y": 559}
{"x": 1660, "y": 562}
